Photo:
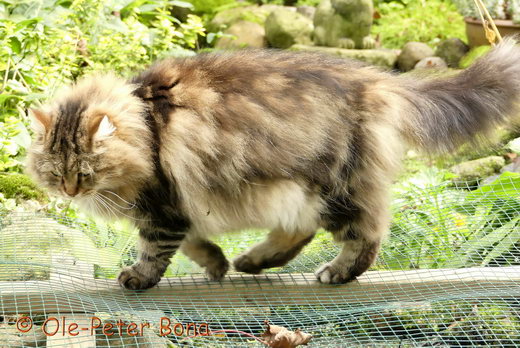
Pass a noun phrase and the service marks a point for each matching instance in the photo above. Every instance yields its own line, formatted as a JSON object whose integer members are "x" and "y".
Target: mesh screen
{"x": 448, "y": 275}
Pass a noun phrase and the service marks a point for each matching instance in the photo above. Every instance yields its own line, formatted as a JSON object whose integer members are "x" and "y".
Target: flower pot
{"x": 477, "y": 36}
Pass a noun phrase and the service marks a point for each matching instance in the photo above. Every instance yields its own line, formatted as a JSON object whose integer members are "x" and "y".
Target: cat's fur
{"x": 289, "y": 142}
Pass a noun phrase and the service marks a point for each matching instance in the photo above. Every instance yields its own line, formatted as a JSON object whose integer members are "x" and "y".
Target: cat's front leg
{"x": 206, "y": 254}
{"x": 155, "y": 248}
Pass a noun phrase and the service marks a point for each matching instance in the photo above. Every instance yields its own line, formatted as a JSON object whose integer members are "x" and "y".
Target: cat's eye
{"x": 83, "y": 175}
{"x": 55, "y": 174}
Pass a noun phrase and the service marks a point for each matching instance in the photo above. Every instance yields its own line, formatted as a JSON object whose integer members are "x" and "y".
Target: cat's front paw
{"x": 217, "y": 270}
{"x": 130, "y": 278}
{"x": 331, "y": 273}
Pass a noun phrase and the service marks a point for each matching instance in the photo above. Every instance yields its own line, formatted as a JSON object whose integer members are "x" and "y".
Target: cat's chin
{"x": 88, "y": 205}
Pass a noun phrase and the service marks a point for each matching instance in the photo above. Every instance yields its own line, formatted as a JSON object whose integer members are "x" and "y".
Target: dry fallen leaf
{"x": 279, "y": 337}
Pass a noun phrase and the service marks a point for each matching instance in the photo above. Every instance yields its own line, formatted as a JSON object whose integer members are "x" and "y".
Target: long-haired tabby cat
{"x": 288, "y": 142}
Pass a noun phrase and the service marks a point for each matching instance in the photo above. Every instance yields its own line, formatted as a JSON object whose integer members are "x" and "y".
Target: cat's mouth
{"x": 77, "y": 195}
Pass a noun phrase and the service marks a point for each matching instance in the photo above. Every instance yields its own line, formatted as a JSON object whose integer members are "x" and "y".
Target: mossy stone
{"x": 474, "y": 171}
{"x": 19, "y": 186}
{"x": 284, "y": 28}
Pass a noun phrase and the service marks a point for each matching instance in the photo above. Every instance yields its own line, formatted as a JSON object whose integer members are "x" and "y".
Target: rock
{"x": 284, "y": 28}
{"x": 452, "y": 50}
{"x": 380, "y": 57}
{"x": 245, "y": 34}
{"x": 253, "y": 13}
{"x": 474, "y": 171}
{"x": 344, "y": 24}
{"x": 412, "y": 53}
{"x": 307, "y": 11}
{"x": 19, "y": 186}
{"x": 513, "y": 167}
{"x": 431, "y": 63}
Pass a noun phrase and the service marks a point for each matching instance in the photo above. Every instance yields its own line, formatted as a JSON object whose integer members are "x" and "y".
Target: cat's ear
{"x": 40, "y": 121}
{"x": 101, "y": 127}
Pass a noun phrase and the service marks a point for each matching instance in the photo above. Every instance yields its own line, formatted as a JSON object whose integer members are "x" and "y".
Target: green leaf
{"x": 506, "y": 185}
{"x": 6, "y": 96}
{"x": 483, "y": 242}
{"x": 130, "y": 8}
{"x": 505, "y": 244}
{"x": 25, "y": 23}
{"x": 15, "y": 44}
{"x": 184, "y": 4}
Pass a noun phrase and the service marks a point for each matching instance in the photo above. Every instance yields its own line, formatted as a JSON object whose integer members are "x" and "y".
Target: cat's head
{"x": 91, "y": 139}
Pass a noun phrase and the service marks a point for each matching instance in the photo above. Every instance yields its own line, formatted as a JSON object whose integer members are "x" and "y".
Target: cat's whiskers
{"x": 106, "y": 207}
{"x": 105, "y": 201}
{"x": 130, "y": 205}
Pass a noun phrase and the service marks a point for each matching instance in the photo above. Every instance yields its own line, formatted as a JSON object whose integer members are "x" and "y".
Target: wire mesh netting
{"x": 448, "y": 275}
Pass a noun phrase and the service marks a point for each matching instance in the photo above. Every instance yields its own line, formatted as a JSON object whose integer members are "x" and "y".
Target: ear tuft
{"x": 106, "y": 127}
{"x": 40, "y": 121}
{"x": 101, "y": 127}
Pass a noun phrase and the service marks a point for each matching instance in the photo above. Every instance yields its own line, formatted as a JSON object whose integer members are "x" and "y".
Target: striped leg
{"x": 154, "y": 252}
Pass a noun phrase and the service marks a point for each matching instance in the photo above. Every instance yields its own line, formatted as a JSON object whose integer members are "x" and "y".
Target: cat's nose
{"x": 71, "y": 191}
{"x": 71, "y": 188}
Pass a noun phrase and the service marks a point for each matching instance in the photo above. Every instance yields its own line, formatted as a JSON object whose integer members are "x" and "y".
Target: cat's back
{"x": 283, "y": 83}
{"x": 228, "y": 118}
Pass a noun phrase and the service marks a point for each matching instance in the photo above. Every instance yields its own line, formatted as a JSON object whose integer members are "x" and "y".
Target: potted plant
{"x": 505, "y": 13}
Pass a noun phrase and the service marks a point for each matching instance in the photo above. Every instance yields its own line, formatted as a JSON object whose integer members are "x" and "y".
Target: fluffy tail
{"x": 442, "y": 113}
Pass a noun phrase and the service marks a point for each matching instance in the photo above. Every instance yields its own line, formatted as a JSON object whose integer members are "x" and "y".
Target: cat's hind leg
{"x": 206, "y": 254}
{"x": 278, "y": 249}
{"x": 360, "y": 228}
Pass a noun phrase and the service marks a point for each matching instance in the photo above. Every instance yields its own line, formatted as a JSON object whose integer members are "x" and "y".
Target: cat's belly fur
{"x": 275, "y": 204}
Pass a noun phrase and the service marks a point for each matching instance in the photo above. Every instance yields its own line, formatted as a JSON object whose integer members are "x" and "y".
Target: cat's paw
{"x": 331, "y": 273}
{"x": 217, "y": 271}
{"x": 131, "y": 279}
{"x": 244, "y": 263}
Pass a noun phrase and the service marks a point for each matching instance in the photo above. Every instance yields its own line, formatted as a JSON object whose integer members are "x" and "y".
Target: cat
{"x": 288, "y": 142}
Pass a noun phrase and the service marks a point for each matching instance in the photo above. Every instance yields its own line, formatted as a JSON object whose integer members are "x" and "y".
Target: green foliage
{"x": 472, "y": 55}
{"x": 45, "y": 44}
{"x": 314, "y": 3}
{"x": 14, "y": 138}
{"x": 210, "y": 6}
{"x": 437, "y": 226}
{"x": 412, "y": 20}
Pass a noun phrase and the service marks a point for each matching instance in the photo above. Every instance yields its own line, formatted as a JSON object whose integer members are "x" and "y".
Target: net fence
{"x": 448, "y": 275}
